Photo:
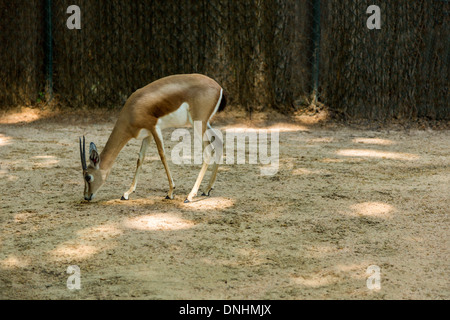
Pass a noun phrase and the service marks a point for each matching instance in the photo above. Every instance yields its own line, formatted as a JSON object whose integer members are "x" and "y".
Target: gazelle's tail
{"x": 223, "y": 102}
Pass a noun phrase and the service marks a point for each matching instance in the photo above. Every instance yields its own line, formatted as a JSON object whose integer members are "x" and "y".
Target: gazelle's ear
{"x": 94, "y": 157}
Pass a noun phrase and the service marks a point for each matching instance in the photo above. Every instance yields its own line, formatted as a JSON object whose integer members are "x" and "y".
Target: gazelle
{"x": 169, "y": 102}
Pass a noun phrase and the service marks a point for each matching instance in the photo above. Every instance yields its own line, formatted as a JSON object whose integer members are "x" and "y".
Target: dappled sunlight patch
{"x": 279, "y": 127}
{"x": 158, "y": 222}
{"x": 102, "y": 232}
{"x": 315, "y": 281}
{"x": 150, "y": 158}
{"x": 5, "y": 140}
{"x": 377, "y": 141}
{"x": 371, "y": 209}
{"x": 13, "y": 262}
{"x": 88, "y": 243}
{"x": 239, "y": 129}
{"x": 3, "y": 171}
{"x": 376, "y": 154}
{"x": 304, "y": 171}
{"x": 44, "y": 161}
{"x": 333, "y": 275}
{"x": 74, "y": 251}
{"x": 129, "y": 203}
{"x": 356, "y": 271}
{"x": 19, "y": 164}
{"x": 330, "y": 160}
{"x": 347, "y": 160}
{"x": 209, "y": 203}
{"x": 12, "y": 178}
{"x": 26, "y": 115}
{"x": 24, "y": 216}
{"x": 321, "y": 140}
{"x": 287, "y": 127}
{"x": 319, "y": 117}
{"x": 286, "y": 164}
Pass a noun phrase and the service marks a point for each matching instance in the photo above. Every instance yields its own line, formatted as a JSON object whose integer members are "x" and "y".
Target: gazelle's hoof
{"x": 123, "y": 198}
{"x": 207, "y": 194}
{"x": 168, "y": 198}
{"x": 186, "y": 201}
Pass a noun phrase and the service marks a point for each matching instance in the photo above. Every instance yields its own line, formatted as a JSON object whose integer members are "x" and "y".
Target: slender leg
{"x": 215, "y": 168}
{"x": 140, "y": 160}
{"x": 160, "y": 145}
{"x": 194, "y": 190}
{"x": 212, "y": 180}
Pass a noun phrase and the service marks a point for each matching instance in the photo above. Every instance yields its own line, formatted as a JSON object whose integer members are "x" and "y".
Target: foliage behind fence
{"x": 265, "y": 53}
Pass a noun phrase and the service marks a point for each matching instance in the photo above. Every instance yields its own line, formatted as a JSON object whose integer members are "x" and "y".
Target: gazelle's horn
{"x": 83, "y": 154}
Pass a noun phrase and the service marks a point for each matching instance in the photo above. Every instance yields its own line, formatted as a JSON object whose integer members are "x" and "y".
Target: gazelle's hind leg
{"x": 212, "y": 180}
{"x": 194, "y": 190}
{"x": 140, "y": 160}
{"x": 198, "y": 135}
{"x": 160, "y": 145}
{"x": 215, "y": 168}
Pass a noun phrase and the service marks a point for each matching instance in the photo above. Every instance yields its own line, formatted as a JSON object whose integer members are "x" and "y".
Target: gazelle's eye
{"x": 89, "y": 178}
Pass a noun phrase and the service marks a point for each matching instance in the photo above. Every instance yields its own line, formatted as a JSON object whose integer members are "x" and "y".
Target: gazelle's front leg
{"x": 157, "y": 134}
{"x": 140, "y": 160}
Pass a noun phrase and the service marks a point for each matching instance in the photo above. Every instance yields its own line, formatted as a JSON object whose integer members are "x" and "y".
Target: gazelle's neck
{"x": 116, "y": 141}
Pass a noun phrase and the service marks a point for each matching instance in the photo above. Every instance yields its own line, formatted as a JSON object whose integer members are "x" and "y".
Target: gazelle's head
{"x": 92, "y": 175}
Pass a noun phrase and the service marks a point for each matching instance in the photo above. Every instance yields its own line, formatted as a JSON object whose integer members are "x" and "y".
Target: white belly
{"x": 178, "y": 118}
{"x": 144, "y": 133}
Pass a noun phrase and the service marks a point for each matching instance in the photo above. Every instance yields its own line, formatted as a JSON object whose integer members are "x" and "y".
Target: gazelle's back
{"x": 166, "y": 95}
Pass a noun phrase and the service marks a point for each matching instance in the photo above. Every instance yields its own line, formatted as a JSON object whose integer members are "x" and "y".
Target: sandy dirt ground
{"x": 343, "y": 199}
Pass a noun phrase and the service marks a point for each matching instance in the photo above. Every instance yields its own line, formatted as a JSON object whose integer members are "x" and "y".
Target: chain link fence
{"x": 22, "y": 51}
{"x": 400, "y": 71}
{"x": 267, "y": 54}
